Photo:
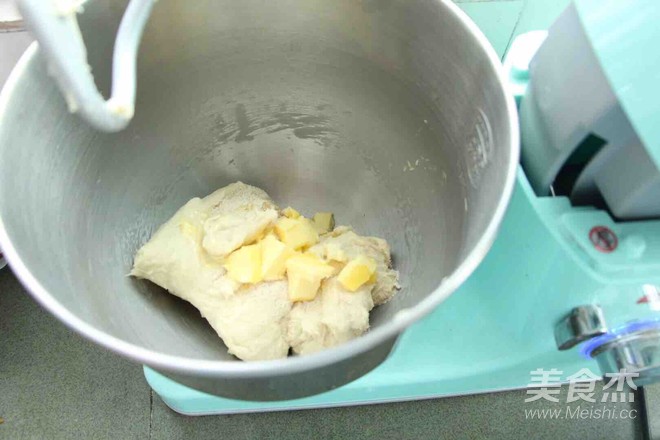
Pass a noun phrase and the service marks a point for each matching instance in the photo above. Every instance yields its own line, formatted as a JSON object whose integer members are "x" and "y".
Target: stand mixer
{"x": 573, "y": 278}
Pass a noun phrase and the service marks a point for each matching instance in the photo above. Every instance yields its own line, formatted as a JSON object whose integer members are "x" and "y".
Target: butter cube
{"x": 303, "y": 288}
{"x": 269, "y": 232}
{"x": 309, "y": 264}
{"x": 356, "y": 273}
{"x": 290, "y": 213}
{"x": 324, "y": 222}
{"x": 296, "y": 233}
{"x": 244, "y": 265}
{"x": 305, "y": 273}
{"x": 274, "y": 254}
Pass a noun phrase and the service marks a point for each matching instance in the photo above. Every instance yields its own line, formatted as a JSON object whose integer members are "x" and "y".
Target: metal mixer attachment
{"x": 56, "y": 29}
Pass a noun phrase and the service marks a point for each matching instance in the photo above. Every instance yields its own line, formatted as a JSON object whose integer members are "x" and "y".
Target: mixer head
{"x": 589, "y": 117}
{"x": 588, "y": 93}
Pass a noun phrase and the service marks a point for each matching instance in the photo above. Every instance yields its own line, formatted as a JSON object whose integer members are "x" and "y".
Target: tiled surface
{"x": 493, "y": 17}
{"x": 652, "y": 401}
{"x": 481, "y": 1}
{"x": 539, "y": 14}
{"x": 8, "y": 11}
{"x": 54, "y": 384}
{"x": 12, "y": 45}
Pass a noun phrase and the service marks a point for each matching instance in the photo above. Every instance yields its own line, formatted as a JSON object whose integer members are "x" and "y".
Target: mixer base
{"x": 448, "y": 353}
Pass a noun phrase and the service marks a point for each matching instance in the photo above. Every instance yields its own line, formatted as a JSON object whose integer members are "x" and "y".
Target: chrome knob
{"x": 582, "y": 323}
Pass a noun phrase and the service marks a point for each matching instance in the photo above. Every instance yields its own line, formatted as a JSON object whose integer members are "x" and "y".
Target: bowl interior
{"x": 374, "y": 110}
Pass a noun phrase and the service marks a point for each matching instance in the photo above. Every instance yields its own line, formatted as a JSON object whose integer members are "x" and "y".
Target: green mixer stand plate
{"x": 449, "y": 352}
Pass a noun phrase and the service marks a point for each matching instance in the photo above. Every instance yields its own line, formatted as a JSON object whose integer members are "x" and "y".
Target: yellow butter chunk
{"x": 305, "y": 273}
{"x": 290, "y": 213}
{"x": 303, "y": 288}
{"x": 310, "y": 264}
{"x": 356, "y": 273}
{"x": 274, "y": 254}
{"x": 244, "y": 264}
{"x": 324, "y": 222}
{"x": 269, "y": 232}
{"x": 296, "y": 233}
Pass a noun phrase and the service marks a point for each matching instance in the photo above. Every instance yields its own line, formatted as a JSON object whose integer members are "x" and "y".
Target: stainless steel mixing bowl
{"x": 391, "y": 113}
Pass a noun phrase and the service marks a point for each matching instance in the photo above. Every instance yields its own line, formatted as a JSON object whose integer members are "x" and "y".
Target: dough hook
{"x": 56, "y": 29}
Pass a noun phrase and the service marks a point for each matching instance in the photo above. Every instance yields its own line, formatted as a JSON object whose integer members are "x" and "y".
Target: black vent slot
{"x": 575, "y": 164}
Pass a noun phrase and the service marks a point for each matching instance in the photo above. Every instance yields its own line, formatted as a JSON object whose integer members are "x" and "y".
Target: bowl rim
{"x": 292, "y": 364}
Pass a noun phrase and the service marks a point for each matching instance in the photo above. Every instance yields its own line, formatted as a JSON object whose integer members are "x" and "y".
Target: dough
{"x": 354, "y": 245}
{"x": 258, "y": 322}
{"x": 333, "y": 317}
{"x": 337, "y": 315}
{"x": 240, "y": 213}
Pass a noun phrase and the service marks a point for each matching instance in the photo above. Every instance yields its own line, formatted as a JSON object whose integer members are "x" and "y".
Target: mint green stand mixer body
{"x": 573, "y": 279}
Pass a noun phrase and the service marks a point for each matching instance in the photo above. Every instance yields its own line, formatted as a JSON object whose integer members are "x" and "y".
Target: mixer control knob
{"x": 582, "y": 323}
